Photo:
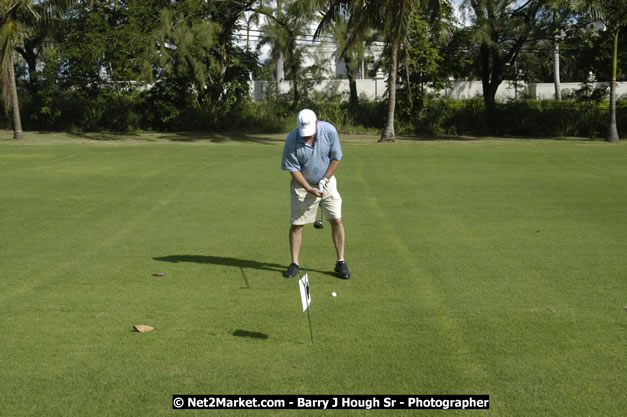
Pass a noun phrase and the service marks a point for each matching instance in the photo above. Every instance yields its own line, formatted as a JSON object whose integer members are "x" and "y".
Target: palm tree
{"x": 351, "y": 56}
{"x": 613, "y": 14}
{"x": 18, "y": 20}
{"x": 556, "y": 52}
{"x": 561, "y": 11}
{"x": 391, "y": 19}
{"x": 285, "y": 27}
{"x": 250, "y": 20}
{"x": 336, "y": 23}
{"x": 13, "y": 17}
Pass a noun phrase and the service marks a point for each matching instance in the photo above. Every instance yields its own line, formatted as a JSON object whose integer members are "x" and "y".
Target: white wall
{"x": 374, "y": 89}
{"x": 547, "y": 90}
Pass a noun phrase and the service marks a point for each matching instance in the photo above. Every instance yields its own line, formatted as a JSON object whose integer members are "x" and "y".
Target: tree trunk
{"x": 612, "y": 132}
{"x": 17, "y": 122}
{"x": 556, "y": 58}
{"x": 488, "y": 97}
{"x": 491, "y": 75}
{"x": 352, "y": 82}
{"x": 388, "y": 132}
{"x": 556, "y": 71}
{"x": 280, "y": 75}
{"x": 295, "y": 94}
{"x": 295, "y": 74}
{"x": 30, "y": 56}
{"x": 410, "y": 98}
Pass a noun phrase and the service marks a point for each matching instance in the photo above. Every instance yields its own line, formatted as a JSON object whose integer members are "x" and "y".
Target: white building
{"x": 323, "y": 49}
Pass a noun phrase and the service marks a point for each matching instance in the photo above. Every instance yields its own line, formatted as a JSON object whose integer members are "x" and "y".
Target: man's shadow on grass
{"x": 235, "y": 262}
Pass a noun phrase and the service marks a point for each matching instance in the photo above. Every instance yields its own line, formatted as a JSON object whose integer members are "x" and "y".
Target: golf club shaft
{"x": 321, "y": 210}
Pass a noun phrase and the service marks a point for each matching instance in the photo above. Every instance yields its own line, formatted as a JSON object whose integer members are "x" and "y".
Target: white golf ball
{"x": 333, "y": 294}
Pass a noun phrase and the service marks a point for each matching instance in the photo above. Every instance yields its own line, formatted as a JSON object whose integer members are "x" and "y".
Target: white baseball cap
{"x": 306, "y": 123}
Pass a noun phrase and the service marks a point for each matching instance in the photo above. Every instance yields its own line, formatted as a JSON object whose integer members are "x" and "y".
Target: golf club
{"x": 318, "y": 224}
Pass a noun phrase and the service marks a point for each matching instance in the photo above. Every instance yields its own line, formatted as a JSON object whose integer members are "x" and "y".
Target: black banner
{"x": 331, "y": 402}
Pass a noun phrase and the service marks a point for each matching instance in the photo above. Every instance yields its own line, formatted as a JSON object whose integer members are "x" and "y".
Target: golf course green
{"x": 480, "y": 266}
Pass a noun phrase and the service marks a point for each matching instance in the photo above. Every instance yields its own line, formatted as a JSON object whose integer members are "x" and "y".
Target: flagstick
{"x": 305, "y": 298}
{"x": 309, "y": 315}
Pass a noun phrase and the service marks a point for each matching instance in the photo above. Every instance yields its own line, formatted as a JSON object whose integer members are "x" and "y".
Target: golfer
{"x": 312, "y": 154}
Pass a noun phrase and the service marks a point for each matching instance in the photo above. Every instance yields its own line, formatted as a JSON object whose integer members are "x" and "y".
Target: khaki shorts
{"x": 305, "y": 205}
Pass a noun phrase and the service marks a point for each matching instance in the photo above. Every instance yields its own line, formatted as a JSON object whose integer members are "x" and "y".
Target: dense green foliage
{"x": 145, "y": 64}
{"x": 128, "y": 111}
{"x": 529, "y": 118}
{"x": 177, "y": 65}
{"x": 524, "y": 118}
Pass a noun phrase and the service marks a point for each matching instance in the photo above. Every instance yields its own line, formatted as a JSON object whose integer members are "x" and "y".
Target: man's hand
{"x": 316, "y": 192}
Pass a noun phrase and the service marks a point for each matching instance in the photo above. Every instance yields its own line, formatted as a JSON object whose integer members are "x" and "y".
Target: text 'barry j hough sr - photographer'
{"x": 330, "y": 402}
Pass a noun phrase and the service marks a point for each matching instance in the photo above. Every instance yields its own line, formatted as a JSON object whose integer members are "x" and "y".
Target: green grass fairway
{"x": 490, "y": 266}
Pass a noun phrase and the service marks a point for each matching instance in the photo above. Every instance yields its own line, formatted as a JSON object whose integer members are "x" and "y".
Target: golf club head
{"x": 318, "y": 224}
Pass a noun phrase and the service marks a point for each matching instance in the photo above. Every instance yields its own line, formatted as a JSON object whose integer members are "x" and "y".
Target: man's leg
{"x": 296, "y": 237}
{"x": 337, "y": 233}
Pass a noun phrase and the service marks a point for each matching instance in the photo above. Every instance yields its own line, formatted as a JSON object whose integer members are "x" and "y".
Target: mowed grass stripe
{"x": 94, "y": 299}
{"x": 497, "y": 248}
{"x": 553, "y": 252}
{"x": 419, "y": 286}
{"x": 501, "y": 236}
{"x": 92, "y": 229}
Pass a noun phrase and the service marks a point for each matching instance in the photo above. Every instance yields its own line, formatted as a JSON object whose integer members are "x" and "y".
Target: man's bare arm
{"x": 332, "y": 167}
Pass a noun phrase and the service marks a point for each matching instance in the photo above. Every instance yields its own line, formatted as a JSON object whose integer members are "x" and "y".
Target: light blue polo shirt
{"x": 312, "y": 161}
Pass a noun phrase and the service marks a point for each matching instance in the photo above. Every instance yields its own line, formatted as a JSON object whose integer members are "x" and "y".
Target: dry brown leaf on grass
{"x": 143, "y": 328}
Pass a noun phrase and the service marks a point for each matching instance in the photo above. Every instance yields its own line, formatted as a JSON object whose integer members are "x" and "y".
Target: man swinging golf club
{"x": 312, "y": 154}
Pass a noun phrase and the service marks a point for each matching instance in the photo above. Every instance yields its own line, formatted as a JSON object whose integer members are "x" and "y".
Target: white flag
{"x": 305, "y": 296}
